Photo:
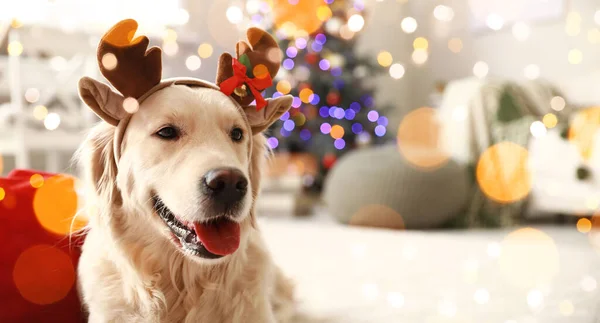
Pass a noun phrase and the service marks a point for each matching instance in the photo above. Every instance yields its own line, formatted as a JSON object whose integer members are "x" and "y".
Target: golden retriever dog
{"x": 172, "y": 233}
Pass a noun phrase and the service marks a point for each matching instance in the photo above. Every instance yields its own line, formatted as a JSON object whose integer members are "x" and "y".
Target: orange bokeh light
{"x": 55, "y": 205}
{"x": 36, "y": 180}
{"x": 337, "y": 132}
{"x": 584, "y": 225}
{"x": 418, "y": 139}
{"x": 502, "y": 172}
{"x": 583, "y": 129}
{"x": 304, "y": 15}
{"x": 260, "y": 71}
{"x": 44, "y": 274}
{"x": 284, "y": 87}
{"x": 2, "y": 194}
{"x": 306, "y": 95}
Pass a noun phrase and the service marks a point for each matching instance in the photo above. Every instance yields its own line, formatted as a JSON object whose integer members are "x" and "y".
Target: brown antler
{"x": 124, "y": 61}
{"x": 261, "y": 55}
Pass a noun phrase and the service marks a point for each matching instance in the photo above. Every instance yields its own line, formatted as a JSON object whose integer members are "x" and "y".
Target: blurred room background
{"x": 444, "y": 115}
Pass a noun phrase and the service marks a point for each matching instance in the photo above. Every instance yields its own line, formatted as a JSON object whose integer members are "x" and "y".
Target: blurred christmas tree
{"x": 334, "y": 110}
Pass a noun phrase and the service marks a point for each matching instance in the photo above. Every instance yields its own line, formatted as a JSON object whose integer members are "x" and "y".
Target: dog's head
{"x": 180, "y": 157}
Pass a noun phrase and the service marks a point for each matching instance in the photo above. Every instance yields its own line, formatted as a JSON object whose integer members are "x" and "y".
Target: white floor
{"x": 352, "y": 275}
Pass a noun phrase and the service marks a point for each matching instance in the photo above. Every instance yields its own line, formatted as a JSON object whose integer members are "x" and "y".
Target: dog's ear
{"x": 261, "y": 119}
{"x": 106, "y": 103}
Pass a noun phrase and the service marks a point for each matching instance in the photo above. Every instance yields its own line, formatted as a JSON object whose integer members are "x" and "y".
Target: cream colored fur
{"x": 129, "y": 270}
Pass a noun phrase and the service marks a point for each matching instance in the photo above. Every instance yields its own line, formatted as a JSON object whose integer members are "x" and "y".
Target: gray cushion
{"x": 378, "y": 187}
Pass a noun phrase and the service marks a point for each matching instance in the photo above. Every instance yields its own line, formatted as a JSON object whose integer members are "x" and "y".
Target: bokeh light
{"x": 397, "y": 71}
{"x": 356, "y": 23}
{"x": 481, "y": 69}
{"x": 531, "y": 71}
{"x": 357, "y": 128}
{"x": 566, "y": 308}
{"x": 284, "y": 87}
{"x": 346, "y": 33}
{"x": 2, "y": 193}
{"x": 304, "y": 15}
{"x": 273, "y": 142}
{"x": 378, "y": 216}
{"x": 324, "y": 13}
{"x": 289, "y": 125}
{"x": 455, "y": 45}
{"x": 380, "y": 131}
{"x": 205, "y": 50}
{"x": 32, "y": 95}
{"x": 170, "y": 48}
{"x": 521, "y": 31}
{"x": 234, "y": 14}
{"x": 575, "y": 56}
{"x": 131, "y": 105}
{"x": 584, "y": 225}
{"x": 538, "y": 129}
{"x": 325, "y": 128}
{"x": 481, "y": 296}
{"x": 494, "y": 21}
{"x": 305, "y": 95}
{"x": 15, "y": 48}
{"x": 193, "y": 62}
{"x": 339, "y": 144}
{"x": 409, "y": 25}
{"x": 291, "y": 52}
{"x": 55, "y": 205}
{"x": 384, "y": 58}
{"x": 502, "y": 172}
{"x": 420, "y": 56}
{"x": 40, "y": 112}
{"x": 529, "y": 258}
{"x": 109, "y": 61}
{"x": 420, "y": 43}
{"x": 443, "y": 13}
{"x": 550, "y": 120}
{"x": 36, "y": 180}
{"x": 52, "y": 121}
{"x": 288, "y": 64}
{"x": 419, "y": 133}
{"x": 557, "y": 103}
{"x": 337, "y": 132}
{"x": 594, "y": 36}
{"x": 324, "y": 64}
{"x": 44, "y": 274}
{"x": 535, "y": 299}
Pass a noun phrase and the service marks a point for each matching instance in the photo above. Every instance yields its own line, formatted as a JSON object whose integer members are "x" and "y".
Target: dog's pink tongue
{"x": 221, "y": 237}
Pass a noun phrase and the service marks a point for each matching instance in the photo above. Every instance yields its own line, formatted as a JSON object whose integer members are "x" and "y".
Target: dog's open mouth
{"x": 213, "y": 239}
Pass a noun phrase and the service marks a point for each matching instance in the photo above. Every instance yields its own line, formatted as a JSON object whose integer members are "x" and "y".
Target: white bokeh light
{"x": 420, "y": 56}
{"x": 409, "y": 25}
{"x": 395, "y": 299}
{"x": 371, "y": 291}
{"x": 538, "y": 129}
{"x": 356, "y": 22}
{"x": 443, "y": 13}
{"x": 447, "y": 308}
{"x": 397, "y": 71}
{"x": 234, "y": 14}
{"x": 521, "y": 31}
{"x": 481, "y": 296}
{"x": 481, "y": 69}
{"x": 494, "y": 21}
{"x": 535, "y": 299}
{"x": 532, "y": 71}
{"x": 558, "y": 103}
{"x": 52, "y": 121}
{"x": 193, "y": 63}
{"x": 131, "y": 105}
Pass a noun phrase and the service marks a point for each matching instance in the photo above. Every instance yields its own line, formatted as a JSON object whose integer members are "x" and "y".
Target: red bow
{"x": 240, "y": 78}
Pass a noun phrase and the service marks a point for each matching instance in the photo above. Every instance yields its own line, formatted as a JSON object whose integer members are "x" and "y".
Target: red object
{"x": 333, "y": 98}
{"x": 240, "y": 78}
{"x": 329, "y": 160}
{"x": 311, "y": 58}
{"x": 221, "y": 237}
{"x": 22, "y": 237}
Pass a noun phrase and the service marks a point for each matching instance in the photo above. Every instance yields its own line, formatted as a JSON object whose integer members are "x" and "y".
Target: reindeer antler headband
{"x": 136, "y": 72}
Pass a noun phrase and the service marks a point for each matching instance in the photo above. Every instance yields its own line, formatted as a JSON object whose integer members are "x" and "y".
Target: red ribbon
{"x": 240, "y": 78}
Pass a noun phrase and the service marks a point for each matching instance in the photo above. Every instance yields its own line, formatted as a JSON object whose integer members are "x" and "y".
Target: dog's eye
{"x": 168, "y": 133}
{"x": 237, "y": 134}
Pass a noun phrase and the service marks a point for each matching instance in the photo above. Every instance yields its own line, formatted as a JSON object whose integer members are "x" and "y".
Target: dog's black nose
{"x": 225, "y": 185}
